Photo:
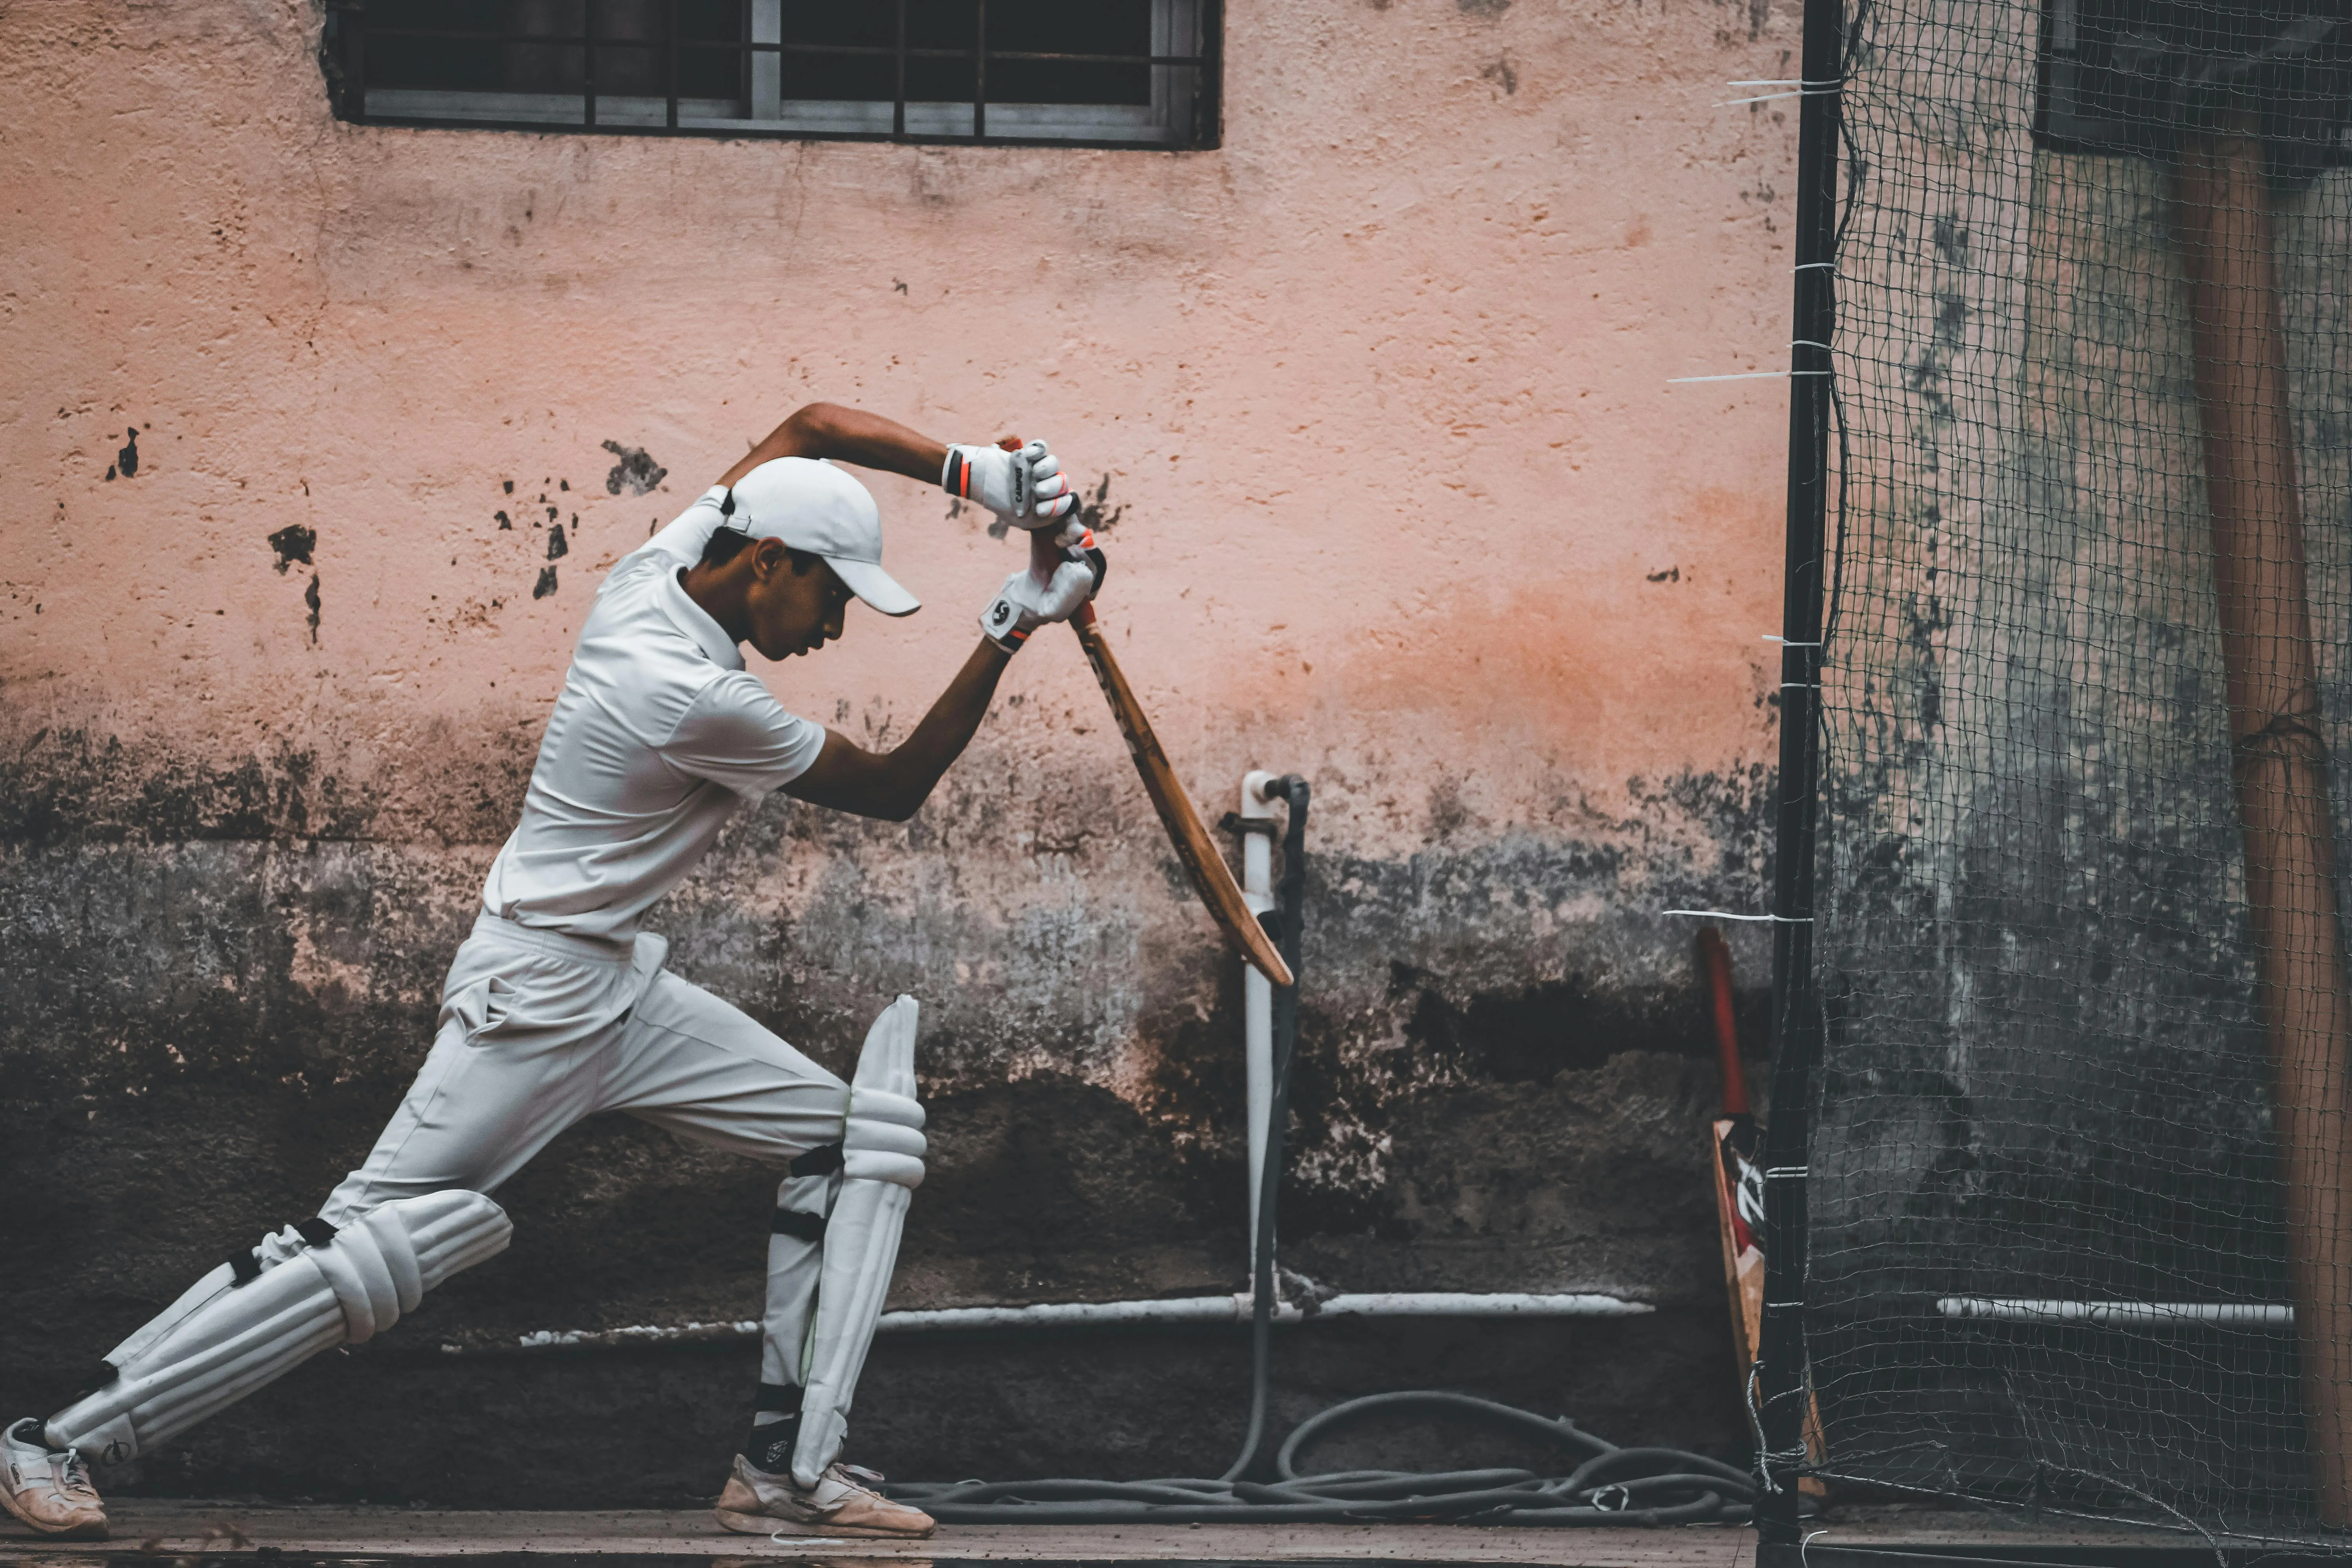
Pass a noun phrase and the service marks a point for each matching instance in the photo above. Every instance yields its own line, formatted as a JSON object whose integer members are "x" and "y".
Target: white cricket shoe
{"x": 47, "y": 1488}
{"x": 846, "y": 1501}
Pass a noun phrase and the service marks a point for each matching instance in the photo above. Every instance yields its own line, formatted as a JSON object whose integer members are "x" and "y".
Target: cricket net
{"x": 2080, "y": 1210}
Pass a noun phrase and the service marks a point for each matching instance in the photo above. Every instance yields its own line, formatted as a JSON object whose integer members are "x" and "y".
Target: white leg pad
{"x": 881, "y": 1166}
{"x": 222, "y": 1340}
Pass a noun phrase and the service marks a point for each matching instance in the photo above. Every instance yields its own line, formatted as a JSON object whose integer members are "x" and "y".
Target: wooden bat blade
{"x": 1734, "y": 1148}
{"x": 1740, "y": 1193}
{"x": 1206, "y": 868}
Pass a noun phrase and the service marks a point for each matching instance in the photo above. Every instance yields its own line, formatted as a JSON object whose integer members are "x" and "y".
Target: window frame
{"x": 342, "y": 57}
{"x": 2067, "y": 117}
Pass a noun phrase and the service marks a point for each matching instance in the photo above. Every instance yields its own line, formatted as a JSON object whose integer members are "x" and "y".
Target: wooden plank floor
{"x": 224, "y": 1531}
{"x": 182, "y": 1534}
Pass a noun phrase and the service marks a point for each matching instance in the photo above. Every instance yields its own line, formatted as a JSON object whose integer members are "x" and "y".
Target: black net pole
{"x": 1780, "y": 1387}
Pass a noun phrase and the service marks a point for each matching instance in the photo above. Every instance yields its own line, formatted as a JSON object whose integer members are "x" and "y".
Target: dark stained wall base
{"x": 209, "y": 1009}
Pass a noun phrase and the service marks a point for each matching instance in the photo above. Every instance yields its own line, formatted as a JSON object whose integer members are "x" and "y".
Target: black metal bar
{"x": 899, "y": 105}
{"x": 871, "y": 51}
{"x": 1208, "y": 87}
{"x": 979, "y": 71}
{"x": 1783, "y": 1385}
{"x": 1096, "y": 60}
{"x": 588, "y": 63}
{"x": 737, "y": 132}
{"x": 355, "y": 63}
{"x": 513, "y": 35}
{"x": 670, "y": 58}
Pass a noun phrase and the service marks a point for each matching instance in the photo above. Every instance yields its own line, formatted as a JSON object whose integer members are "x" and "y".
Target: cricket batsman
{"x": 558, "y": 1005}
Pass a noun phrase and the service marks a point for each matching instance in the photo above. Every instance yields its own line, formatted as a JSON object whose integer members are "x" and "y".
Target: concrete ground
{"x": 194, "y": 1533}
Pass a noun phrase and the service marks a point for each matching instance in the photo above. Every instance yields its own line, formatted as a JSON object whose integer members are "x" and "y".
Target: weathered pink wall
{"x": 1381, "y": 386}
{"x": 1403, "y": 501}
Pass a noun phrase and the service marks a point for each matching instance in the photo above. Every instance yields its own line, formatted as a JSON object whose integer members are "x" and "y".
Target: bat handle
{"x": 1084, "y": 620}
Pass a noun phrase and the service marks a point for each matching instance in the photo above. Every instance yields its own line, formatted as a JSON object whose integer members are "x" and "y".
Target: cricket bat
{"x": 1738, "y": 1182}
{"x": 1210, "y": 878}
{"x": 1739, "y": 1189}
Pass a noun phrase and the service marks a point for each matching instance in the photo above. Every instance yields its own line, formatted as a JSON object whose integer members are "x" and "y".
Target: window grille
{"x": 2129, "y": 76}
{"x": 1099, "y": 73}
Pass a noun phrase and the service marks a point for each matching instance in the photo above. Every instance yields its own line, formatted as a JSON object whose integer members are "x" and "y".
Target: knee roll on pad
{"x": 882, "y": 1163}
{"x": 249, "y": 1321}
{"x": 882, "y": 1138}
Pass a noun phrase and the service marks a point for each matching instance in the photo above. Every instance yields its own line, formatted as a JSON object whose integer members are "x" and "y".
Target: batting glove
{"x": 1024, "y": 485}
{"x": 1065, "y": 570}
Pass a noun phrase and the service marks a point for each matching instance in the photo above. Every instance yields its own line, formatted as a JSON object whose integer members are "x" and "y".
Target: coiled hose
{"x": 1605, "y": 1485}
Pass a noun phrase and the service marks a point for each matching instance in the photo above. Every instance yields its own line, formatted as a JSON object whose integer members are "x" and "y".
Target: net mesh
{"x": 2078, "y": 1214}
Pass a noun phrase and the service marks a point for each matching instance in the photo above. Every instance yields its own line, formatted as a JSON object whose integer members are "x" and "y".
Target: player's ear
{"x": 768, "y": 556}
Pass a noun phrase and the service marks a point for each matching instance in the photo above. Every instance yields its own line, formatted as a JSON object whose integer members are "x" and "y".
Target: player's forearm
{"x": 848, "y": 436}
{"x": 916, "y": 766}
{"x": 894, "y": 784}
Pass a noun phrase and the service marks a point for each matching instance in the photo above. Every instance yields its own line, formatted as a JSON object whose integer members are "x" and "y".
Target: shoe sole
{"x": 768, "y": 1524}
{"x": 96, "y": 1531}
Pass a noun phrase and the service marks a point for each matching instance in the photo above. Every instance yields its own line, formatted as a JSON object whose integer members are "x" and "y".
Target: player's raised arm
{"x": 1022, "y": 483}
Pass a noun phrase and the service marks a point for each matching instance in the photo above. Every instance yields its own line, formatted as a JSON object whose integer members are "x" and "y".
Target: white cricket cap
{"x": 813, "y": 506}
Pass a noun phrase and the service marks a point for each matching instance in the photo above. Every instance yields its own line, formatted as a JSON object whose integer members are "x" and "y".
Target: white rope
{"x": 1769, "y": 97}
{"x": 1743, "y": 376}
{"x": 1727, "y": 915}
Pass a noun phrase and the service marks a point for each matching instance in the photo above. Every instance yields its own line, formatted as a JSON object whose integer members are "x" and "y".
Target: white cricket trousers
{"x": 539, "y": 1029}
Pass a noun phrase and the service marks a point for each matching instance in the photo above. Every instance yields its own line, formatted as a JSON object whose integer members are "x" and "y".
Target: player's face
{"x": 795, "y": 603}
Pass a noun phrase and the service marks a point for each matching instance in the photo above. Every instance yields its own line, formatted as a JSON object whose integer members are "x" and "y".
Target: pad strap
{"x": 792, "y": 1222}
{"x": 821, "y": 1161}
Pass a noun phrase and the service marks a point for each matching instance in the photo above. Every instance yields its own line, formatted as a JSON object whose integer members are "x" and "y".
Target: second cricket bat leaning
{"x": 1740, "y": 1190}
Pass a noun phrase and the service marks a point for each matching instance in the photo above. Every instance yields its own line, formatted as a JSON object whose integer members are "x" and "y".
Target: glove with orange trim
{"x": 1065, "y": 570}
{"x": 1023, "y": 485}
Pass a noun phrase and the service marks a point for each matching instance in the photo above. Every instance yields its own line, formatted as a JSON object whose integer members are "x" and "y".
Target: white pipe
{"x": 1257, "y": 994}
{"x": 1235, "y": 1309}
{"x": 2013, "y": 1309}
{"x": 1182, "y": 1310}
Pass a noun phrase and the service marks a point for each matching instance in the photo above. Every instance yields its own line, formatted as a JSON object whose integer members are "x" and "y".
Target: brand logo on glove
{"x": 1002, "y": 613}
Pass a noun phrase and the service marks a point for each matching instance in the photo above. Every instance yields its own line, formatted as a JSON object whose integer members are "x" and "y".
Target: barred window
{"x": 1115, "y": 73}
{"x": 2132, "y": 76}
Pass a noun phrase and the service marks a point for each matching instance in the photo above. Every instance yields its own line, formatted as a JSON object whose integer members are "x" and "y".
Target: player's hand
{"x": 1065, "y": 570}
{"x": 1024, "y": 485}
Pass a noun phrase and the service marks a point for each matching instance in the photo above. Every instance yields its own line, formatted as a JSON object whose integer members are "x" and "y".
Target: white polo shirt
{"x": 659, "y": 735}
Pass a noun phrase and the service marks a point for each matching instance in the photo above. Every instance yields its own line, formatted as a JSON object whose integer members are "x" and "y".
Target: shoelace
{"x": 77, "y": 1483}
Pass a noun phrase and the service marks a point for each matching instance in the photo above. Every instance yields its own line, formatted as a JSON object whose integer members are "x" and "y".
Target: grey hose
{"x": 1610, "y": 1486}
{"x": 1606, "y": 1485}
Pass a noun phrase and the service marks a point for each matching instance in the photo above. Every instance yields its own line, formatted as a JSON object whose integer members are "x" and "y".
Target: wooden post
{"x": 2279, "y": 760}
